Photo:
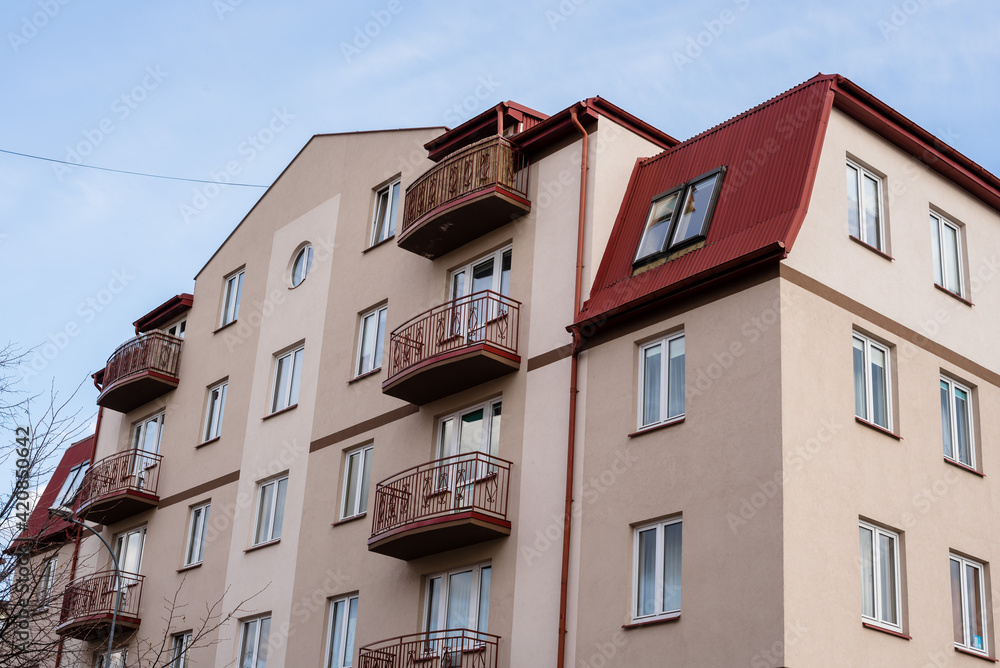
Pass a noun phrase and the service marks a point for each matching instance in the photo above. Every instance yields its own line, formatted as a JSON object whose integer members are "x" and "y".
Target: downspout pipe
{"x": 574, "y": 364}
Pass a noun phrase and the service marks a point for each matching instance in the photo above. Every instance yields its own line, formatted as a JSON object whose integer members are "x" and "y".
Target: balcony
{"x": 439, "y": 506}
{"x": 89, "y": 604}
{"x": 458, "y": 648}
{"x": 471, "y": 192}
{"x": 141, "y": 370}
{"x": 119, "y": 486}
{"x": 453, "y": 347}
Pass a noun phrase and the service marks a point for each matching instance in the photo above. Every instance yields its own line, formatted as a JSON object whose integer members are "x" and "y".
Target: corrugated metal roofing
{"x": 770, "y": 153}
{"x": 40, "y": 525}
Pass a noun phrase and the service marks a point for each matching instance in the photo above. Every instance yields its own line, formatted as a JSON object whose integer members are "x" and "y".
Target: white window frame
{"x": 194, "y": 547}
{"x": 939, "y": 225}
{"x": 273, "y": 511}
{"x": 665, "y": 417}
{"x": 386, "y": 227}
{"x": 176, "y": 330}
{"x": 280, "y": 400}
{"x": 952, "y": 422}
{"x": 963, "y": 564}
{"x": 140, "y": 429}
{"x": 232, "y": 294}
{"x": 298, "y": 273}
{"x": 71, "y": 486}
{"x": 260, "y": 644}
{"x": 180, "y": 645}
{"x": 869, "y": 416}
{"x": 490, "y": 443}
{"x": 215, "y": 411}
{"x": 47, "y": 581}
{"x": 118, "y": 658}
{"x": 377, "y": 317}
{"x": 497, "y": 286}
{"x": 357, "y": 506}
{"x": 346, "y": 632}
{"x": 475, "y": 601}
{"x": 879, "y": 604}
{"x": 881, "y": 242}
{"x": 660, "y": 612}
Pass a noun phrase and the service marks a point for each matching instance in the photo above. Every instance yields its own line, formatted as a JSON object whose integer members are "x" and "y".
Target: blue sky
{"x": 214, "y": 89}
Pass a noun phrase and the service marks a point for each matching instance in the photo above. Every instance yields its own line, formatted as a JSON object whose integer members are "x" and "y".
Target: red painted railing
{"x": 488, "y": 163}
{"x": 482, "y": 317}
{"x": 472, "y": 481}
{"x": 93, "y": 597}
{"x": 155, "y": 351}
{"x": 126, "y": 471}
{"x": 458, "y": 648}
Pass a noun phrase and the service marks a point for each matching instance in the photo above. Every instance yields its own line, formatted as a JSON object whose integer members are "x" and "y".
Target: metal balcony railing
{"x": 456, "y": 648}
{"x": 123, "y": 472}
{"x": 91, "y": 599}
{"x": 155, "y": 351}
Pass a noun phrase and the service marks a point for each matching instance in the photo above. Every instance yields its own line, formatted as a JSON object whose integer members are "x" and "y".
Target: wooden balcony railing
{"x": 441, "y": 505}
{"x": 457, "y": 648}
{"x": 490, "y": 168}
{"x": 89, "y": 603}
{"x": 140, "y": 370}
{"x": 120, "y": 485}
{"x": 483, "y": 321}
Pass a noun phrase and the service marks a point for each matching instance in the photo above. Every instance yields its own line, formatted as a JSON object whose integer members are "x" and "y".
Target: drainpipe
{"x": 574, "y": 363}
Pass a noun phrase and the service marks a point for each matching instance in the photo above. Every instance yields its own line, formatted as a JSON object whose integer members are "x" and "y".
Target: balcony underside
{"x": 451, "y": 372}
{"x": 455, "y": 223}
{"x": 97, "y": 626}
{"x": 133, "y": 391}
{"x": 117, "y": 506}
{"x": 438, "y": 534}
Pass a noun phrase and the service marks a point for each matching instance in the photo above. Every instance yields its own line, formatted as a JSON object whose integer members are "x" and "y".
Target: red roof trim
{"x": 164, "y": 313}
{"x": 446, "y": 143}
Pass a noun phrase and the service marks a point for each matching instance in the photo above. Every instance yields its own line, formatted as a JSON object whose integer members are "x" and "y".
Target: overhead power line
{"x": 125, "y": 171}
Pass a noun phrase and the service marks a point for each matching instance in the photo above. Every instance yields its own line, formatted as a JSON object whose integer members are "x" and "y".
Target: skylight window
{"x": 670, "y": 225}
{"x": 71, "y": 486}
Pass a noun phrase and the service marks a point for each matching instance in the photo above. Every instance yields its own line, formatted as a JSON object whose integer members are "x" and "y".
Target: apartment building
{"x": 361, "y": 432}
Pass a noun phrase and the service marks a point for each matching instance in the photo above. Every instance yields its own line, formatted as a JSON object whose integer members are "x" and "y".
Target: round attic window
{"x": 301, "y": 265}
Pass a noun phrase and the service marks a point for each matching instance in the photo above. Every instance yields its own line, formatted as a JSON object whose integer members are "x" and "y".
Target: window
{"x": 301, "y": 265}
{"x": 661, "y": 381}
{"x": 179, "y": 647}
{"x": 872, "y": 398}
{"x": 357, "y": 473}
{"x": 195, "y": 549}
{"x": 47, "y": 581}
{"x": 386, "y": 206}
{"x": 476, "y": 429}
{"x": 216, "y": 407}
{"x": 343, "y": 617}
{"x": 488, "y": 273}
{"x": 71, "y": 486}
{"x": 177, "y": 329}
{"x": 864, "y": 206}
{"x": 956, "y": 422}
{"x": 146, "y": 434}
{"x": 680, "y": 216}
{"x": 253, "y": 642}
{"x": 128, "y": 551}
{"x": 968, "y": 604}
{"x": 231, "y": 303}
{"x": 880, "y": 588}
{"x": 270, "y": 510}
{"x": 946, "y": 241}
{"x": 657, "y": 568}
{"x": 370, "y": 341}
{"x": 458, "y": 600}
{"x": 287, "y": 376}
{"x": 117, "y": 659}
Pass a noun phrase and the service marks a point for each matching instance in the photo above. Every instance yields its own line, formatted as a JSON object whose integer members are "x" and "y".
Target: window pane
{"x": 193, "y": 547}
{"x": 956, "y": 602}
{"x": 471, "y": 437}
{"x": 249, "y": 644}
{"x": 873, "y": 234}
{"x": 379, "y": 337}
{"x": 962, "y": 430}
{"x": 293, "y": 395}
{"x": 393, "y": 208}
{"x": 936, "y": 248}
{"x": 280, "y": 384}
{"x": 505, "y": 273}
{"x": 887, "y": 578}
{"x": 446, "y": 438}
{"x": 495, "y": 430}
{"x": 434, "y": 605}
{"x": 974, "y": 608}
{"x": 366, "y": 474}
{"x": 350, "y": 496}
{"x": 867, "y": 574}
{"x": 336, "y": 635}
{"x": 482, "y": 276}
{"x": 265, "y": 628}
{"x": 672, "y": 567}
{"x": 951, "y": 267}
{"x": 651, "y": 380}
{"x": 352, "y": 619}
{"x": 853, "y": 203}
{"x": 459, "y": 599}
{"x": 880, "y": 388}
{"x": 946, "y": 420}
{"x": 692, "y": 221}
{"x": 657, "y": 226}
{"x": 860, "y": 387}
{"x": 150, "y": 442}
{"x": 646, "y": 577}
{"x": 264, "y": 513}
{"x": 279, "y": 508}
{"x": 378, "y": 225}
{"x": 483, "y": 623}
{"x": 367, "y": 343}
{"x": 675, "y": 392}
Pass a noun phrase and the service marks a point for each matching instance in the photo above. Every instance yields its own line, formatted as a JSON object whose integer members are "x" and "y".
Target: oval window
{"x": 301, "y": 265}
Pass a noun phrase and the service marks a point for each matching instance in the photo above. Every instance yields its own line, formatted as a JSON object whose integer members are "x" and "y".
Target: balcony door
{"x": 469, "y": 317}
{"x": 146, "y": 436}
{"x": 457, "y": 612}
{"x": 460, "y": 437}
{"x": 128, "y": 551}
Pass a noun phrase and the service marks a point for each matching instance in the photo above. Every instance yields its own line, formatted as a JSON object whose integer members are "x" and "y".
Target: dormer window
{"x": 680, "y": 216}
